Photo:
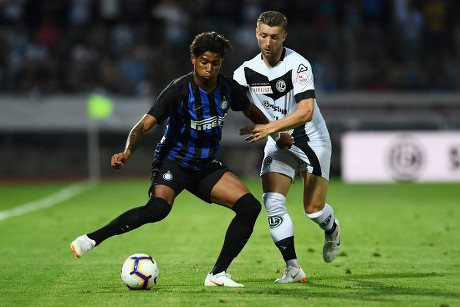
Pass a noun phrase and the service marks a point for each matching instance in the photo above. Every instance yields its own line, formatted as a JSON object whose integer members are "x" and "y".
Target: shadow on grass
{"x": 376, "y": 287}
{"x": 351, "y": 289}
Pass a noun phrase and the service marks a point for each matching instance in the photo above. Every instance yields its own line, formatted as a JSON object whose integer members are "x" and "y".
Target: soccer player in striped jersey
{"x": 280, "y": 83}
{"x": 194, "y": 107}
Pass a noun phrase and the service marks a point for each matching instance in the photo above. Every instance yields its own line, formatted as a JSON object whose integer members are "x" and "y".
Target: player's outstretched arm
{"x": 283, "y": 140}
{"x": 255, "y": 115}
{"x": 134, "y": 139}
{"x": 299, "y": 117}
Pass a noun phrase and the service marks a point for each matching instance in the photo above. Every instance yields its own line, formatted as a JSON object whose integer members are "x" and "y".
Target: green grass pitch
{"x": 400, "y": 247}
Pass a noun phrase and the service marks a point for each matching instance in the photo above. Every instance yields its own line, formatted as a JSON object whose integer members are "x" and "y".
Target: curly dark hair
{"x": 210, "y": 41}
{"x": 273, "y": 19}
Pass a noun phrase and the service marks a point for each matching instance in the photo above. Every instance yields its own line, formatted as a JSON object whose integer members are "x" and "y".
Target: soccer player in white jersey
{"x": 280, "y": 83}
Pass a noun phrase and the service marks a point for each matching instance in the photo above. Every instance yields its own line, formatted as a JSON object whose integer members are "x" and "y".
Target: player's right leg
{"x": 155, "y": 210}
{"x": 82, "y": 245}
{"x": 168, "y": 180}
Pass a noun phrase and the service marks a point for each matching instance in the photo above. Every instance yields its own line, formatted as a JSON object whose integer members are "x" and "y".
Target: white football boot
{"x": 332, "y": 244}
{"x": 82, "y": 245}
{"x": 292, "y": 274}
{"x": 220, "y": 280}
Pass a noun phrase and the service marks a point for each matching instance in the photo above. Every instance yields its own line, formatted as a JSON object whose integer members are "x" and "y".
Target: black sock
{"x": 247, "y": 210}
{"x": 155, "y": 210}
{"x": 331, "y": 231}
{"x": 286, "y": 247}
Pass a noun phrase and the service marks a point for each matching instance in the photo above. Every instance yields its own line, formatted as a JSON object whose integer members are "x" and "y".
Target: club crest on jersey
{"x": 281, "y": 86}
{"x": 167, "y": 176}
{"x": 224, "y": 103}
{"x": 267, "y": 161}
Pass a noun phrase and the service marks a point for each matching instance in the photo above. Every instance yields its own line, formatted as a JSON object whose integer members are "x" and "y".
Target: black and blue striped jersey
{"x": 195, "y": 119}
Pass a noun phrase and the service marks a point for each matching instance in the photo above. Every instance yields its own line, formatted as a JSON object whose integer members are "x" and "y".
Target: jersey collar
{"x": 192, "y": 81}
{"x": 283, "y": 54}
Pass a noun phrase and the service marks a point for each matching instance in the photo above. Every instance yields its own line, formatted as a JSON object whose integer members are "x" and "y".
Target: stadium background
{"x": 378, "y": 65}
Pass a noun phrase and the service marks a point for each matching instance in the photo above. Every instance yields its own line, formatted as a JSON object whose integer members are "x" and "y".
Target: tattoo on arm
{"x": 135, "y": 137}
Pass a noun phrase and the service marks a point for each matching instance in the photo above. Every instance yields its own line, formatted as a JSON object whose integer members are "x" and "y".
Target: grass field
{"x": 400, "y": 247}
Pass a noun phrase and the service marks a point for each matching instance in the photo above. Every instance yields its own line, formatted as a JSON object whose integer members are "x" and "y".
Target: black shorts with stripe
{"x": 198, "y": 182}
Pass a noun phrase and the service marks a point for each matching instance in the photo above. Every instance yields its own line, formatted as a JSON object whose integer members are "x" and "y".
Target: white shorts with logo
{"x": 314, "y": 159}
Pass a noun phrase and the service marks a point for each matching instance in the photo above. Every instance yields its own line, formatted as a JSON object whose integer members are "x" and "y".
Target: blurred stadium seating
{"x": 378, "y": 65}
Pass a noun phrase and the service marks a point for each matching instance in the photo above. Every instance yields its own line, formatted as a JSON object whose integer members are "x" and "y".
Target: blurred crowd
{"x": 135, "y": 47}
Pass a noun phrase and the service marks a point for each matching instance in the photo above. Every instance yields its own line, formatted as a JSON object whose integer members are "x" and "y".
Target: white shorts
{"x": 289, "y": 162}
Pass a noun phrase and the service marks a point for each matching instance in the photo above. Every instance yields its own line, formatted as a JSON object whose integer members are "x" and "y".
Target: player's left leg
{"x": 277, "y": 174}
{"x": 316, "y": 208}
{"x": 231, "y": 192}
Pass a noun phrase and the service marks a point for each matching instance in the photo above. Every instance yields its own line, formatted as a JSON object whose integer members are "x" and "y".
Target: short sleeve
{"x": 238, "y": 76}
{"x": 240, "y": 100}
{"x": 303, "y": 81}
{"x": 166, "y": 103}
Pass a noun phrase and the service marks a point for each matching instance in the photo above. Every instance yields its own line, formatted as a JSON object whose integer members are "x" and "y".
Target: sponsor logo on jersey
{"x": 274, "y": 107}
{"x": 208, "y": 123}
{"x": 301, "y": 68}
{"x": 265, "y": 89}
{"x": 275, "y": 221}
{"x": 302, "y": 78}
{"x": 281, "y": 85}
{"x": 167, "y": 176}
{"x": 266, "y": 104}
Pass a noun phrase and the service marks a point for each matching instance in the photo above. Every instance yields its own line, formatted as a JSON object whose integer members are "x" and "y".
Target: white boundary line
{"x": 49, "y": 201}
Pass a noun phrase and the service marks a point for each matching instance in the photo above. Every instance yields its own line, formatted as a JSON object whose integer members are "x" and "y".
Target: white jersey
{"x": 277, "y": 90}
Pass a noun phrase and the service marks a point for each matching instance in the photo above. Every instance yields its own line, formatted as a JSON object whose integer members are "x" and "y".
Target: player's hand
{"x": 285, "y": 141}
{"x": 119, "y": 159}
{"x": 257, "y": 133}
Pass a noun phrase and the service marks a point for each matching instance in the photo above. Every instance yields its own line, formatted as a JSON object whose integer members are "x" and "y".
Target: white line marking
{"x": 49, "y": 201}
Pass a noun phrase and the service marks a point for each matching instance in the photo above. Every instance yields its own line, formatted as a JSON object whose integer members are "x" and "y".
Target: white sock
{"x": 324, "y": 218}
{"x": 280, "y": 222}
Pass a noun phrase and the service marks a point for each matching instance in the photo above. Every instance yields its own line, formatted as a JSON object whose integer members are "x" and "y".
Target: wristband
{"x": 275, "y": 136}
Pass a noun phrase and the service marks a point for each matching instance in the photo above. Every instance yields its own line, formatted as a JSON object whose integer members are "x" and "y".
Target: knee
{"x": 157, "y": 209}
{"x": 247, "y": 205}
{"x": 313, "y": 206}
{"x": 275, "y": 203}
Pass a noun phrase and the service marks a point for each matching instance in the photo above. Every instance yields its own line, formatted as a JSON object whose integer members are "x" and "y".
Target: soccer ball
{"x": 140, "y": 272}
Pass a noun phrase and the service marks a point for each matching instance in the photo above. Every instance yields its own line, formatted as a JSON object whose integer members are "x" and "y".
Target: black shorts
{"x": 198, "y": 182}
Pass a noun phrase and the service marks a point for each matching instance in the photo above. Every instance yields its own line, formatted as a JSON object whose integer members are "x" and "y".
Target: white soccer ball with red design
{"x": 140, "y": 272}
